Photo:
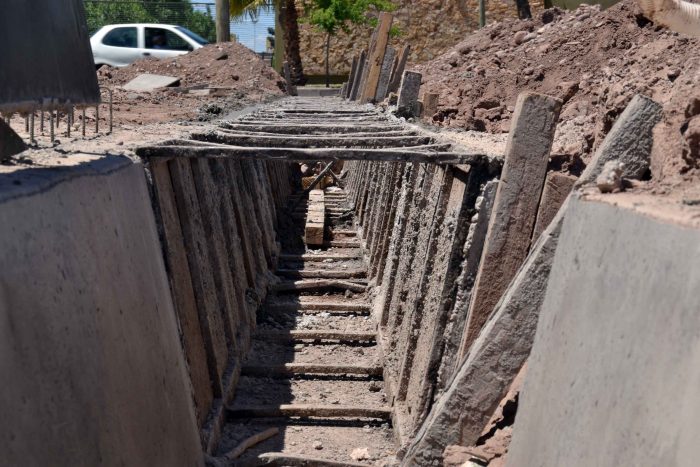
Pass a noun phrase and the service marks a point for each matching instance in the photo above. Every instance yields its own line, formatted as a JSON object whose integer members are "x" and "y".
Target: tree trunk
{"x": 291, "y": 41}
{"x": 223, "y": 21}
{"x": 523, "y": 9}
{"x": 328, "y": 64}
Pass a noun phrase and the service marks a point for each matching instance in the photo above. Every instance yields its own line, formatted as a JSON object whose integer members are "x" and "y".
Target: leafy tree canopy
{"x": 332, "y": 15}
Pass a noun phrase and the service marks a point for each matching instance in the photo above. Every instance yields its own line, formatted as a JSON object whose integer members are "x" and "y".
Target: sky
{"x": 252, "y": 35}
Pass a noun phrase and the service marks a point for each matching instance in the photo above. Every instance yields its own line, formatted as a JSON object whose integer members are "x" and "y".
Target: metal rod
{"x": 97, "y": 118}
{"x": 26, "y": 123}
{"x": 83, "y": 121}
{"x": 69, "y": 122}
{"x": 111, "y": 112}
{"x": 31, "y": 128}
{"x": 51, "y": 120}
{"x": 41, "y": 125}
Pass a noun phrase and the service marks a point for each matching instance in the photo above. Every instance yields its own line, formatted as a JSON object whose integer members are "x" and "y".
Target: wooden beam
{"x": 376, "y": 59}
{"x": 291, "y": 369}
{"x": 515, "y": 207}
{"x": 414, "y": 154}
{"x": 303, "y": 410}
{"x": 400, "y": 68}
{"x": 306, "y": 142}
{"x": 342, "y": 336}
{"x": 315, "y": 284}
{"x": 322, "y": 274}
{"x": 296, "y": 460}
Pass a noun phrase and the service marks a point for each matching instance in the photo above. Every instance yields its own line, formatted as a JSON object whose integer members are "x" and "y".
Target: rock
{"x": 464, "y": 49}
{"x": 691, "y": 142}
{"x": 673, "y": 73}
{"x": 318, "y": 445}
{"x": 455, "y": 456}
{"x": 519, "y": 37}
{"x": 610, "y": 178}
{"x": 360, "y": 454}
{"x": 487, "y": 103}
{"x": 453, "y": 59}
{"x": 375, "y": 387}
{"x": 693, "y": 107}
{"x": 348, "y": 294}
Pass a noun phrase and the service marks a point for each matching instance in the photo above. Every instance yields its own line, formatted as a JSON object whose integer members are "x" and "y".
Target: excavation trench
{"x": 323, "y": 313}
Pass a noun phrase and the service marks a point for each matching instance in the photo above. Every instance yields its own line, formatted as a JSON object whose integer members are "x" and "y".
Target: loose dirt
{"x": 596, "y": 62}
{"x": 239, "y": 76}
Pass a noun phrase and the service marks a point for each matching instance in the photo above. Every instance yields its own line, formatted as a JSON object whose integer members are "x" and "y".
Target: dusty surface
{"x": 241, "y": 77}
{"x": 595, "y": 61}
{"x": 343, "y": 438}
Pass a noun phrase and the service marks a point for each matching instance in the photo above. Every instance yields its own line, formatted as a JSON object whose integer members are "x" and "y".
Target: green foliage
{"x": 178, "y": 12}
{"x": 239, "y": 9}
{"x": 332, "y": 15}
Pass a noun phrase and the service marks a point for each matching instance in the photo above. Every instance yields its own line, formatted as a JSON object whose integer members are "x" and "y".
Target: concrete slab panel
{"x": 93, "y": 371}
{"x": 46, "y": 59}
{"x": 613, "y": 374}
{"x": 149, "y": 82}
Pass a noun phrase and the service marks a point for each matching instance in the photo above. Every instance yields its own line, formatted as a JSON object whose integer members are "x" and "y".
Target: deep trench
{"x": 341, "y": 347}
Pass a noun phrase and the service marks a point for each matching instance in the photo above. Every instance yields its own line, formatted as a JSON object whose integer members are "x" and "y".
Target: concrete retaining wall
{"x": 218, "y": 222}
{"x": 612, "y": 376}
{"x": 415, "y": 220}
{"x": 93, "y": 372}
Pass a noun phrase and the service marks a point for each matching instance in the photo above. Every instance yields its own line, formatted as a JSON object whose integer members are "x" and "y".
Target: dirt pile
{"x": 596, "y": 62}
{"x": 239, "y": 75}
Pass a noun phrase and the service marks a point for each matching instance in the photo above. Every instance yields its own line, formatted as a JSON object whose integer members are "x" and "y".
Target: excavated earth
{"x": 595, "y": 61}
{"x": 240, "y": 77}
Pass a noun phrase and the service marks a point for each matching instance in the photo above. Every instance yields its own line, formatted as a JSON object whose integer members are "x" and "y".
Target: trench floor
{"x": 314, "y": 370}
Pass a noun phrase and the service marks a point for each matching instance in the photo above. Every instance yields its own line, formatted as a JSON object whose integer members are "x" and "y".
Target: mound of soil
{"x": 596, "y": 62}
{"x": 241, "y": 76}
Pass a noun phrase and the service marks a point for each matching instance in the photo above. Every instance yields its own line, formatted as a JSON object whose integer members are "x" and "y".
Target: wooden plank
{"x": 342, "y": 336}
{"x": 351, "y": 78}
{"x": 317, "y": 258}
{"x": 355, "y": 91}
{"x": 303, "y": 410}
{"x": 376, "y": 60}
{"x": 182, "y": 290}
{"x": 400, "y": 68}
{"x": 322, "y": 273}
{"x": 385, "y": 74}
{"x": 201, "y": 272}
{"x": 415, "y": 154}
{"x": 515, "y": 206}
{"x": 316, "y": 284}
{"x": 296, "y": 460}
{"x": 290, "y": 369}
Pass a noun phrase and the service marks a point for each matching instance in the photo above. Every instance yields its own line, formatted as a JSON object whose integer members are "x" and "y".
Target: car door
{"x": 120, "y": 46}
{"x": 164, "y": 43}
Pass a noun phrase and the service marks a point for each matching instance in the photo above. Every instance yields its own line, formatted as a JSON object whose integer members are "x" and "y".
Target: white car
{"x": 121, "y": 44}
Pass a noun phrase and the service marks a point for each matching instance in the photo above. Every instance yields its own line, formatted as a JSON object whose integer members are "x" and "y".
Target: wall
{"x": 612, "y": 376}
{"x": 218, "y": 224}
{"x": 429, "y": 26}
{"x": 93, "y": 371}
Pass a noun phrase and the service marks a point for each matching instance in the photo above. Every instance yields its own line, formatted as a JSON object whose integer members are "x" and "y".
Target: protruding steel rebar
{"x": 97, "y": 118}
{"x": 51, "y": 124}
{"x": 69, "y": 121}
{"x": 111, "y": 111}
{"x": 31, "y": 128}
{"x": 41, "y": 124}
{"x": 83, "y": 121}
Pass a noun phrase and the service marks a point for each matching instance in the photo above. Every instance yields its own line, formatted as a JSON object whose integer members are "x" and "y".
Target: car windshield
{"x": 195, "y": 37}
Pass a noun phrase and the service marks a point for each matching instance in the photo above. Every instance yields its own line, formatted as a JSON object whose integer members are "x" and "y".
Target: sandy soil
{"x": 595, "y": 61}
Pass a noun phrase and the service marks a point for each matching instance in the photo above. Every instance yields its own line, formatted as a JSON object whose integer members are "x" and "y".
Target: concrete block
{"x": 515, "y": 208}
{"x": 629, "y": 141}
{"x": 430, "y": 105}
{"x": 89, "y": 343}
{"x": 495, "y": 358}
{"x": 385, "y": 74}
{"x": 613, "y": 373}
{"x": 556, "y": 188}
{"x": 150, "y": 82}
{"x": 408, "y": 94}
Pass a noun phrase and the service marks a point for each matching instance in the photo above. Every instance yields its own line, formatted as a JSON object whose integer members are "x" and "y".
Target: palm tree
{"x": 286, "y": 20}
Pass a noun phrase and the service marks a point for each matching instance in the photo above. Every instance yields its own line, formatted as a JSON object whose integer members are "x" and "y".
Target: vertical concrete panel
{"x": 613, "y": 375}
{"x": 89, "y": 349}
